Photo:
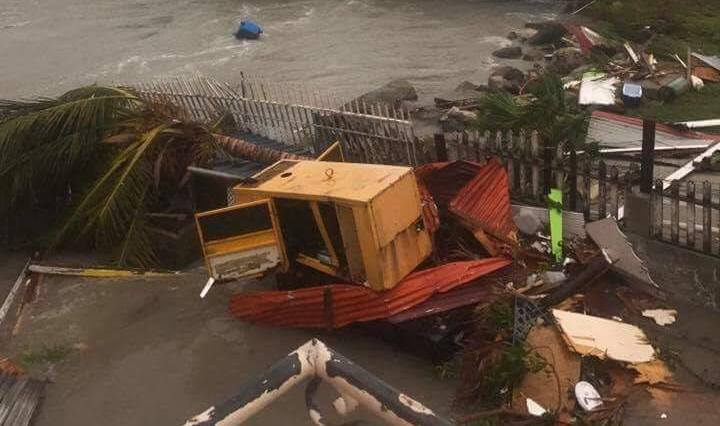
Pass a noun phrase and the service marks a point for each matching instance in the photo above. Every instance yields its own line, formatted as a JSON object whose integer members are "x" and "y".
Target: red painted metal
{"x": 444, "y": 180}
{"x": 481, "y": 290}
{"x": 484, "y": 202}
{"x": 351, "y": 303}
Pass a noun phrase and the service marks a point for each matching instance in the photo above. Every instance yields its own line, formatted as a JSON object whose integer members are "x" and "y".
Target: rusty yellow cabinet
{"x": 360, "y": 222}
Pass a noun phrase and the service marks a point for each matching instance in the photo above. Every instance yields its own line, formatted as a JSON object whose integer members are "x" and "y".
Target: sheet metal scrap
{"x": 484, "y": 202}
{"x": 606, "y": 234}
{"x": 444, "y": 180}
{"x": 338, "y": 305}
{"x": 19, "y": 398}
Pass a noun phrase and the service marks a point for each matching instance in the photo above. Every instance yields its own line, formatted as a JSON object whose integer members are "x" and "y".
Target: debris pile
{"x": 512, "y": 297}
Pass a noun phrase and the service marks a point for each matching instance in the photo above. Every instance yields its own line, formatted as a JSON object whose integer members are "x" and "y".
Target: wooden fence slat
{"x": 690, "y": 192}
{"x": 657, "y": 208}
{"x": 675, "y": 212}
{"x": 707, "y": 217}
{"x": 602, "y": 189}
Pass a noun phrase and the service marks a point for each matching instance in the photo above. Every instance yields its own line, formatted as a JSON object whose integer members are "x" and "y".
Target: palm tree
{"x": 545, "y": 108}
{"x": 116, "y": 156}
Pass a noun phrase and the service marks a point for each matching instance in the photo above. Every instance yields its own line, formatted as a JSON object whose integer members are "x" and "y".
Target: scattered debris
{"x": 550, "y": 387}
{"x": 96, "y": 271}
{"x": 606, "y": 234}
{"x": 600, "y": 337}
{"x": 661, "y": 316}
{"x": 597, "y": 89}
{"x": 534, "y": 408}
{"x": 338, "y": 305}
{"x": 530, "y": 220}
{"x": 587, "y": 396}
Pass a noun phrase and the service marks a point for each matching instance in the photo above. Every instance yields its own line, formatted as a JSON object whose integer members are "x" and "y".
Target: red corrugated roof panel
{"x": 444, "y": 180}
{"x": 351, "y": 303}
{"x": 484, "y": 202}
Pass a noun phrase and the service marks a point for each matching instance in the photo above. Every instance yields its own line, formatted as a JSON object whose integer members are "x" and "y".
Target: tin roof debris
{"x": 601, "y": 338}
{"x": 614, "y": 132}
{"x": 349, "y": 303}
{"x": 19, "y": 399}
{"x": 606, "y": 234}
{"x": 484, "y": 202}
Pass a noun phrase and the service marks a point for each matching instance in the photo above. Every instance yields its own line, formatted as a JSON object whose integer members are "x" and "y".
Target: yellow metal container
{"x": 360, "y": 222}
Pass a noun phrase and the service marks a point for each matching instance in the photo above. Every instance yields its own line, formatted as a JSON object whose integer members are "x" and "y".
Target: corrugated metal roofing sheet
{"x": 351, "y": 303}
{"x": 444, "y": 180}
{"x": 619, "y": 131}
{"x": 480, "y": 290}
{"x": 485, "y": 202}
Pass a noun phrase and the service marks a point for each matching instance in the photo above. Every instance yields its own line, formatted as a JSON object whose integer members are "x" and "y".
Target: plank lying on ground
{"x": 13, "y": 292}
{"x": 690, "y": 166}
{"x": 96, "y": 272}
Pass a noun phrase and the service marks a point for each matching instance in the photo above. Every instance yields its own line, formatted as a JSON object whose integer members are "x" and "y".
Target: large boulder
{"x": 566, "y": 59}
{"x": 394, "y": 94}
{"x": 512, "y": 52}
{"x": 547, "y": 32}
{"x": 507, "y": 78}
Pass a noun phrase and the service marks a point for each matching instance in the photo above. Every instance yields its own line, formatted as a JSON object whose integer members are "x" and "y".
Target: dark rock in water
{"x": 533, "y": 55}
{"x": 566, "y": 59}
{"x": 467, "y": 86}
{"x": 506, "y": 78}
{"x": 522, "y": 34}
{"x": 465, "y": 93}
{"x": 547, "y": 33}
{"x": 512, "y": 52}
{"x": 392, "y": 94}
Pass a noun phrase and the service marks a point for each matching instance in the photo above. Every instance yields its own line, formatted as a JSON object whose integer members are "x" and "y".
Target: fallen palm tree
{"x": 107, "y": 159}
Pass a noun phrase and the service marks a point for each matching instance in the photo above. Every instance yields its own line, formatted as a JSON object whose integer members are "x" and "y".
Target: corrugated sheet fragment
{"x": 309, "y": 307}
{"x": 444, "y": 180}
{"x": 484, "y": 202}
{"x": 19, "y": 399}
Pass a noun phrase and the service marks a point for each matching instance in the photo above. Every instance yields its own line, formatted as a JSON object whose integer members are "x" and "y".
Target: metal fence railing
{"x": 370, "y": 133}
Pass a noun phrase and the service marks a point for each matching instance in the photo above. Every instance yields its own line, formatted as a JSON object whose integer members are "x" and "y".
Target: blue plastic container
{"x": 248, "y": 29}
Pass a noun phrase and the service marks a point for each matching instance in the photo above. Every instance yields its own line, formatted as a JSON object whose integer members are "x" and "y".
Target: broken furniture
{"x": 358, "y": 222}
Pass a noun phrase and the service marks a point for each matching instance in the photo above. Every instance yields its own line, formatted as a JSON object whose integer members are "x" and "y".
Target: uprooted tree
{"x": 107, "y": 159}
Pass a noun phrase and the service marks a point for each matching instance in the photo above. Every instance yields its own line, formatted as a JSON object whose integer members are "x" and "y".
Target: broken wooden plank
{"x": 96, "y": 271}
{"x": 689, "y": 167}
{"x": 604, "y": 338}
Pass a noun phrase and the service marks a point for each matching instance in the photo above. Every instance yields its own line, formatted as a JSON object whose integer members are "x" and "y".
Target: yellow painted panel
{"x": 321, "y": 180}
{"x": 409, "y": 248}
{"x": 368, "y": 245}
{"x": 351, "y": 243}
{"x": 243, "y": 242}
{"x": 242, "y": 196}
{"x": 396, "y": 208}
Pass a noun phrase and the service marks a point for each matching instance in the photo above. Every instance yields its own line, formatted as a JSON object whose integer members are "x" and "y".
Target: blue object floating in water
{"x": 248, "y": 29}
